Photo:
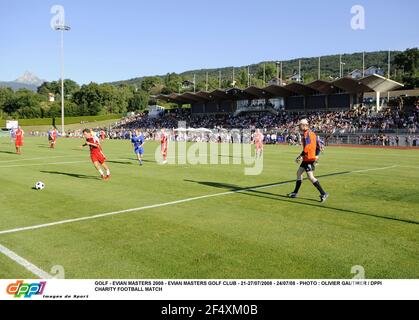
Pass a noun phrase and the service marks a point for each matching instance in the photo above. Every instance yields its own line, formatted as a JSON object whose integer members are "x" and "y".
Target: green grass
{"x": 68, "y": 120}
{"x": 371, "y": 218}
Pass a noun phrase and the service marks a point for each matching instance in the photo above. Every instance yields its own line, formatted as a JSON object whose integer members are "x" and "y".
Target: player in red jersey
{"x": 52, "y": 137}
{"x": 96, "y": 154}
{"x": 19, "y": 140}
{"x": 258, "y": 141}
{"x": 164, "y": 145}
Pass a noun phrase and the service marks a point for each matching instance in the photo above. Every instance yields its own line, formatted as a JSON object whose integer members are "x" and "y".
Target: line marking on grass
{"x": 54, "y": 163}
{"x": 25, "y": 263}
{"x": 160, "y": 205}
{"x": 58, "y": 163}
{"x": 374, "y": 169}
{"x": 40, "y": 164}
{"x": 30, "y": 159}
{"x": 409, "y": 167}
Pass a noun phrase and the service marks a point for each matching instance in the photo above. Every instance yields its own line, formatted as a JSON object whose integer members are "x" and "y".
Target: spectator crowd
{"x": 361, "y": 120}
{"x": 360, "y": 126}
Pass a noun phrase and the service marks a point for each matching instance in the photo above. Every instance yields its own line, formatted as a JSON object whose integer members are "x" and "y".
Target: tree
{"x": 308, "y": 78}
{"x": 149, "y": 82}
{"x": 139, "y": 101}
{"x": 408, "y": 63}
{"x": 125, "y": 93}
{"x": 270, "y": 72}
{"x": 70, "y": 108}
{"x": 109, "y": 98}
{"x": 54, "y": 87}
{"x": 213, "y": 84}
{"x": 24, "y": 103}
{"x": 201, "y": 86}
{"x": 172, "y": 83}
{"x": 89, "y": 99}
{"x": 6, "y": 94}
{"x": 70, "y": 87}
{"x": 30, "y": 112}
{"x": 242, "y": 80}
{"x": 105, "y": 98}
{"x": 49, "y": 87}
{"x": 94, "y": 108}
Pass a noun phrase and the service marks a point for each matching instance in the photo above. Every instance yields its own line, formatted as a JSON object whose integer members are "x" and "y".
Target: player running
{"x": 258, "y": 141}
{"x": 19, "y": 134}
{"x": 96, "y": 154}
{"x": 52, "y": 138}
{"x": 308, "y": 157}
{"x": 138, "y": 143}
{"x": 164, "y": 145}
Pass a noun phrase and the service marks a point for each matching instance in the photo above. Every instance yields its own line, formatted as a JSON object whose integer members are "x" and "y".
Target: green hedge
{"x": 68, "y": 120}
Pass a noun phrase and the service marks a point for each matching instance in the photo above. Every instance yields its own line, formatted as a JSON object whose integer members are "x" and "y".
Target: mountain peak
{"x": 29, "y": 78}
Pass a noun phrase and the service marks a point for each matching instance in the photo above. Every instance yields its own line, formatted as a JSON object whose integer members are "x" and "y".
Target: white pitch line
{"x": 51, "y": 163}
{"x": 51, "y": 224}
{"x": 25, "y": 263}
{"x": 409, "y": 167}
{"x": 57, "y": 163}
{"x": 374, "y": 169}
{"x": 30, "y": 159}
{"x": 40, "y": 164}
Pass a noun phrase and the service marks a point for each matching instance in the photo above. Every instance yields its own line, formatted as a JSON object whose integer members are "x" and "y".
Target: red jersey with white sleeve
{"x": 259, "y": 140}
{"x": 96, "y": 153}
{"x": 164, "y": 142}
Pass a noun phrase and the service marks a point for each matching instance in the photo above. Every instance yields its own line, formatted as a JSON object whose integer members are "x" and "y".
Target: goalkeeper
{"x": 308, "y": 158}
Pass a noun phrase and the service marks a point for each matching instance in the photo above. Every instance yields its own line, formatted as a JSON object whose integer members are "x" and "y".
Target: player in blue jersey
{"x": 138, "y": 141}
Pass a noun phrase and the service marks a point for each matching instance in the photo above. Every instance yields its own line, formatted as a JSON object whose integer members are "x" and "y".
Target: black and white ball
{"x": 40, "y": 186}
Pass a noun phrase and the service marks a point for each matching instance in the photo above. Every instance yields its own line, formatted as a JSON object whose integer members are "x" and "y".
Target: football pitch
{"x": 207, "y": 221}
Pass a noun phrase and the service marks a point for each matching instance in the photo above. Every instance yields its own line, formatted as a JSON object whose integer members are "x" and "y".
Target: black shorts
{"x": 308, "y": 166}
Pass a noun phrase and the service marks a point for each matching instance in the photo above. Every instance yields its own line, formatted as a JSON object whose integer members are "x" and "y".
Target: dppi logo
{"x": 27, "y": 290}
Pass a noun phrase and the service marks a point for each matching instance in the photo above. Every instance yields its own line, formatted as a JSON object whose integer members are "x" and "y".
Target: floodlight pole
{"x": 264, "y": 74}
{"x": 319, "y": 75}
{"x": 363, "y": 64}
{"x": 389, "y": 64}
{"x": 281, "y": 74}
{"x": 234, "y": 77}
{"x": 62, "y": 29}
{"x": 341, "y": 64}
{"x": 299, "y": 71}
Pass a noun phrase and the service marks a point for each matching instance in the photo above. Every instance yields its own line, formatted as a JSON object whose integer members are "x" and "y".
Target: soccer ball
{"x": 40, "y": 186}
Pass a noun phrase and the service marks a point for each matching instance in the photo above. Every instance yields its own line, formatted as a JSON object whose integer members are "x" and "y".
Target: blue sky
{"x": 117, "y": 40}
